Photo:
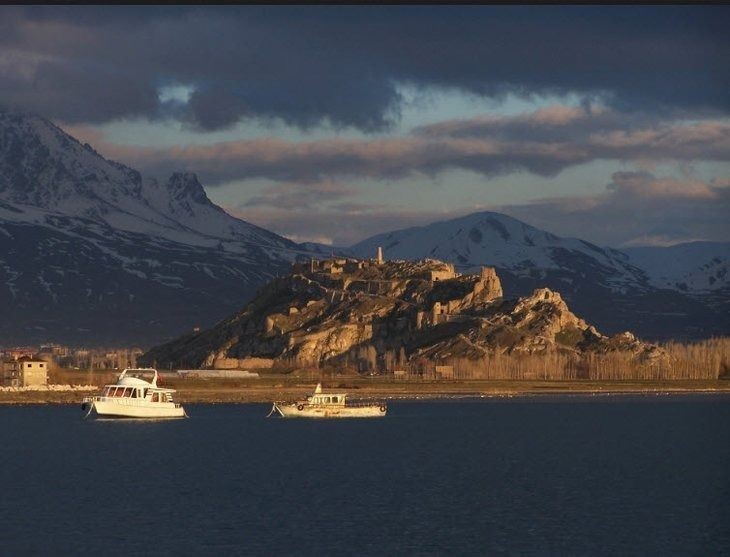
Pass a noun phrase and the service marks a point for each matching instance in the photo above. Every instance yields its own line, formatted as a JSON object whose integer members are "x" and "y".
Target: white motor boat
{"x": 134, "y": 397}
{"x": 328, "y": 405}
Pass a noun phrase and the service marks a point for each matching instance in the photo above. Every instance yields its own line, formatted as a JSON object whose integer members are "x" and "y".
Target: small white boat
{"x": 134, "y": 397}
{"x": 328, "y": 405}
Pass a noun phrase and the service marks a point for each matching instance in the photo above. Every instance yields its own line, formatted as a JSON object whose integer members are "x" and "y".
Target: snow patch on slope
{"x": 691, "y": 267}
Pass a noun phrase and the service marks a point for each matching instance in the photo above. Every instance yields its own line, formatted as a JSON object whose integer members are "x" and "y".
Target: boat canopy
{"x": 133, "y": 382}
{"x": 131, "y": 377}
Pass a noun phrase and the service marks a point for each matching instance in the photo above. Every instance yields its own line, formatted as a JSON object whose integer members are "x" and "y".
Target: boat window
{"x": 134, "y": 393}
{"x": 335, "y": 399}
{"x": 155, "y": 397}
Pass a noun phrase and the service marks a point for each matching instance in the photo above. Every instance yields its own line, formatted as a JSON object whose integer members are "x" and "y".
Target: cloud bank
{"x": 544, "y": 142}
{"x": 654, "y": 84}
{"x": 342, "y": 65}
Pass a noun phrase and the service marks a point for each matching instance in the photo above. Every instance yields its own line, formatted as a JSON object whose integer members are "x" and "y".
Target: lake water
{"x": 570, "y": 475}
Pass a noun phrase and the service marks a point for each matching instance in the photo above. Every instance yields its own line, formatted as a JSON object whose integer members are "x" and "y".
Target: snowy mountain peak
{"x": 42, "y": 166}
{"x": 496, "y": 239}
{"x": 182, "y": 195}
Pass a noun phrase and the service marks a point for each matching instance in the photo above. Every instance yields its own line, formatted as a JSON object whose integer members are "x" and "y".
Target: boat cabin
{"x": 132, "y": 385}
{"x": 123, "y": 392}
{"x": 327, "y": 399}
{"x": 153, "y": 395}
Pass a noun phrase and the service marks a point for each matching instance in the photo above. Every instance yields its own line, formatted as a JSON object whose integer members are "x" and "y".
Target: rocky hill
{"x": 92, "y": 252}
{"x": 346, "y": 311}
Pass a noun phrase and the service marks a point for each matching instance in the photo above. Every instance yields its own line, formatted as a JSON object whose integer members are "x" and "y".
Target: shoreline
{"x": 260, "y": 392}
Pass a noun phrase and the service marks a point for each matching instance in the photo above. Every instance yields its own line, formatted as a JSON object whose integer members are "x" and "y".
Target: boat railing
{"x": 127, "y": 401}
{"x": 363, "y": 403}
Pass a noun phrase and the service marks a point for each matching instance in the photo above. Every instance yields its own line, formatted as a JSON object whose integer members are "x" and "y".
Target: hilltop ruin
{"x": 383, "y": 314}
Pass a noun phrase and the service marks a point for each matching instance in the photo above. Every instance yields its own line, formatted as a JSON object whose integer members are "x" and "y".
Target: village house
{"x": 26, "y": 371}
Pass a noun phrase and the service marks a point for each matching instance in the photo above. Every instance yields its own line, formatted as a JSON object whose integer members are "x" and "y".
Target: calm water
{"x": 644, "y": 475}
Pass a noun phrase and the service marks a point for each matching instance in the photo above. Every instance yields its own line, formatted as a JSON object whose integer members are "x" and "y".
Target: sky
{"x": 334, "y": 123}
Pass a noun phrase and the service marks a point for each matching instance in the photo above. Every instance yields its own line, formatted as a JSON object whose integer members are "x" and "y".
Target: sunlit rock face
{"x": 342, "y": 310}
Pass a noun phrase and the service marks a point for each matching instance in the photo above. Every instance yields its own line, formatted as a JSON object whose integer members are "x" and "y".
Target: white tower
{"x": 379, "y": 257}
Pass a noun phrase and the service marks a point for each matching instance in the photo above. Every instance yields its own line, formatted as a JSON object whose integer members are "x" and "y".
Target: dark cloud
{"x": 64, "y": 90}
{"x": 340, "y": 65}
{"x": 215, "y": 109}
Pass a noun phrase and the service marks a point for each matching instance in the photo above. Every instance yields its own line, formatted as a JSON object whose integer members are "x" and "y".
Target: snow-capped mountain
{"x": 43, "y": 167}
{"x": 506, "y": 243}
{"x": 92, "y": 252}
{"x": 617, "y": 290}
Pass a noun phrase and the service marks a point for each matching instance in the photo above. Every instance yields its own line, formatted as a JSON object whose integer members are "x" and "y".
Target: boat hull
{"x": 103, "y": 409}
{"x": 304, "y": 411}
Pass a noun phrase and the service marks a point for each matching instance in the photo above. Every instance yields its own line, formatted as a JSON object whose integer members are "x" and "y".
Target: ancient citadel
{"x": 385, "y": 315}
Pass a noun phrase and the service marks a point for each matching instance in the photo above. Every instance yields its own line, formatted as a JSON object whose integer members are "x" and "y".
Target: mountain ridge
{"x": 73, "y": 224}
